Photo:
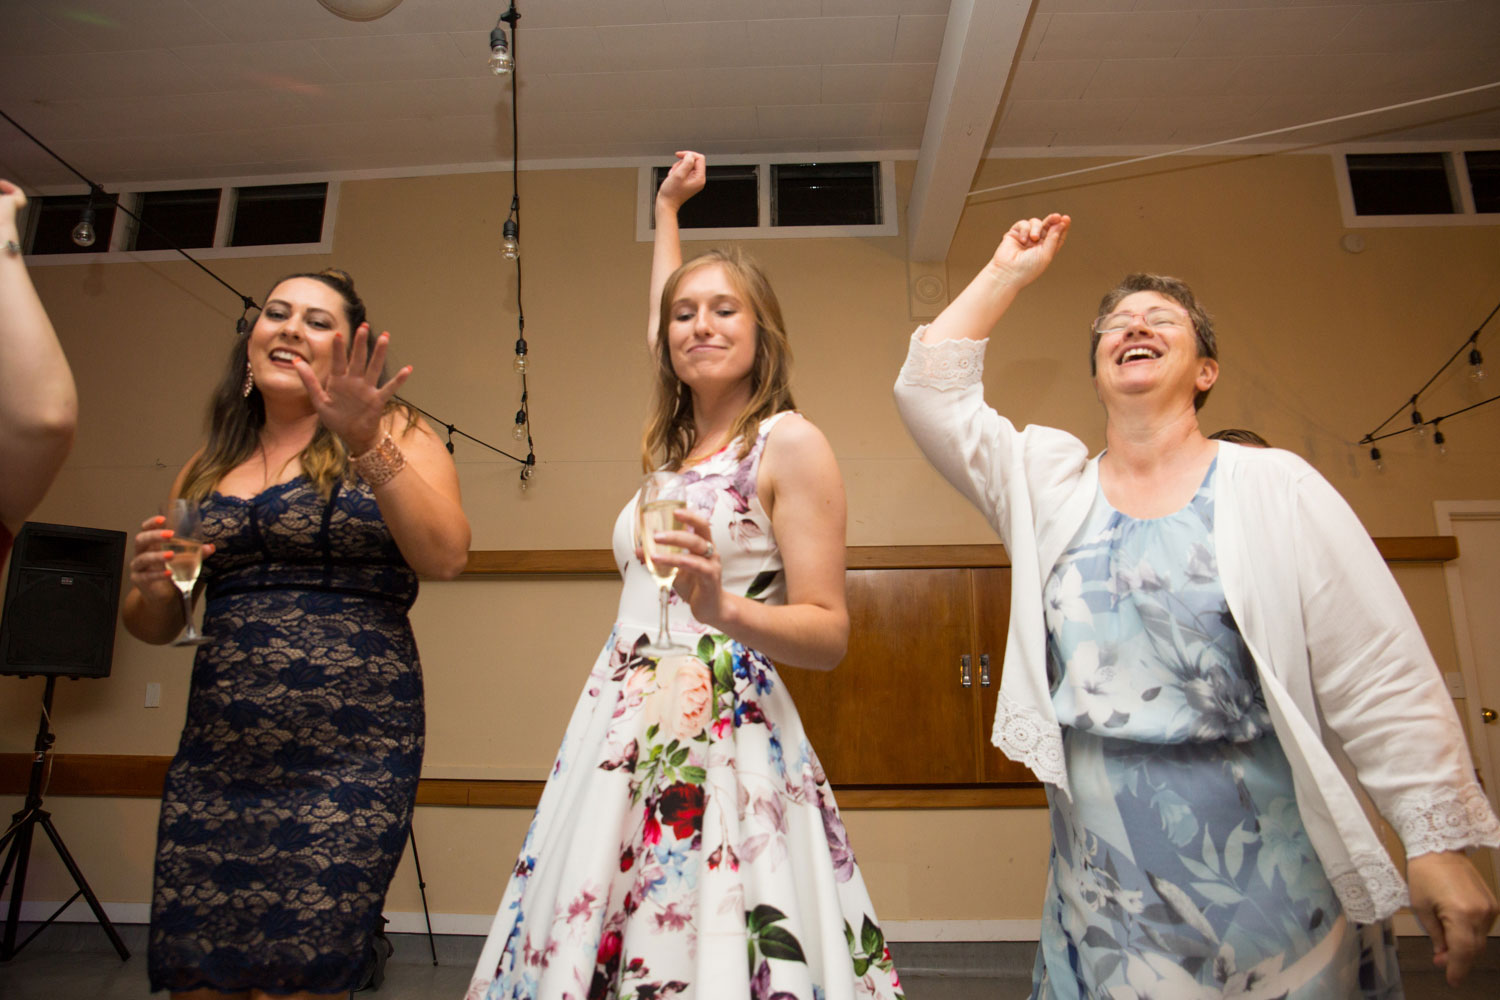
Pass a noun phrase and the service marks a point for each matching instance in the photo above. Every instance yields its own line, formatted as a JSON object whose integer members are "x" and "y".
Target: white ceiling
{"x": 139, "y": 91}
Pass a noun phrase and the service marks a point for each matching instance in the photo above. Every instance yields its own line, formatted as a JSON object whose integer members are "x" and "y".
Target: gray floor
{"x": 75, "y": 961}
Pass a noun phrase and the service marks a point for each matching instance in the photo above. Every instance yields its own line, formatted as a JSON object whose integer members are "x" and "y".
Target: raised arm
{"x": 685, "y": 179}
{"x": 802, "y": 489}
{"x": 38, "y": 402}
{"x": 1023, "y": 254}
{"x": 420, "y": 503}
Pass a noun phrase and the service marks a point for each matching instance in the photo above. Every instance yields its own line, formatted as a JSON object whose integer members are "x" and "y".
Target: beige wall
{"x": 1318, "y": 345}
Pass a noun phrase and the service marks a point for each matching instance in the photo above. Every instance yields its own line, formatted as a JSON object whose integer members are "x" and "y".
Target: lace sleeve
{"x": 948, "y": 364}
{"x": 1445, "y": 819}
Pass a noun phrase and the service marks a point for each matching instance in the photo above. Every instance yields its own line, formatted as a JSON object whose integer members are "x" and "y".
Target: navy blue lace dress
{"x": 289, "y": 802}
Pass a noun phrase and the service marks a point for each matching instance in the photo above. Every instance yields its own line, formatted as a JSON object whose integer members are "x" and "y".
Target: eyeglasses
{"x": 1160, "y": 319}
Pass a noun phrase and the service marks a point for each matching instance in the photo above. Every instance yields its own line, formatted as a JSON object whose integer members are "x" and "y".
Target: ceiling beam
{"x": 980, "y": 46}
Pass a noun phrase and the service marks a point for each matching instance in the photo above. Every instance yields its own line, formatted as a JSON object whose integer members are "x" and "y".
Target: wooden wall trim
{"x": 141, "y": 776}
{"x": 596, "y": 562}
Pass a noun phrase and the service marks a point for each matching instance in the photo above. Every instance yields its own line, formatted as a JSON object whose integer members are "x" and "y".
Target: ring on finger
{"x": 708, "y": 553}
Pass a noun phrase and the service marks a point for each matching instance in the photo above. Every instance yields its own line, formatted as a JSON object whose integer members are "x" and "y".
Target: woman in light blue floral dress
{"x": 1180, "y": 861}
{"x": 1197, "y": 629}
{"x": 687, "y": 843}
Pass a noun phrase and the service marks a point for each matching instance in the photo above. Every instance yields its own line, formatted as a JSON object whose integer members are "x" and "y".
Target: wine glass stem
{"x": 187, "y": 613}
{"x": 661, "y": 632}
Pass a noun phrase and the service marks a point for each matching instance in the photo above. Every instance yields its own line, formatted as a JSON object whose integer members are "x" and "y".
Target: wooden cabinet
{"x": 913, "y": 701}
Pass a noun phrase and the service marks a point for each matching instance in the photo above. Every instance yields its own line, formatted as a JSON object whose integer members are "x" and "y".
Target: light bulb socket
{"x": 1475, "y": 358}
{"x": 1375, "y": 455}
{"x": 1438, "y": 439}
{"x": 521, "y": 347}
{"x": 1416, "y": 416}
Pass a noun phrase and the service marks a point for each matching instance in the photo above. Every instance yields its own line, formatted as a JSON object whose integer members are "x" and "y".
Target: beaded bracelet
{"x": 380, "y": 464}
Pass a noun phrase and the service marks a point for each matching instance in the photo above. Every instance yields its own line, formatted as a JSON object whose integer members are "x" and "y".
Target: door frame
{"x": 1447, "y": 512}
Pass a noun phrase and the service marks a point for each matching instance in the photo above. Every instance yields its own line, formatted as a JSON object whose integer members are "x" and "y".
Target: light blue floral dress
{"x": 1180, "y": 867}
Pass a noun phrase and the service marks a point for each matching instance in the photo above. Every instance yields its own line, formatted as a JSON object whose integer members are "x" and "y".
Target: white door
{"x": 1474, "y": 599}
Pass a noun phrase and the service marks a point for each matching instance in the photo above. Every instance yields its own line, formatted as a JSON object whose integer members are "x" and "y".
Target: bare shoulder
{"x": 796, "y": 444}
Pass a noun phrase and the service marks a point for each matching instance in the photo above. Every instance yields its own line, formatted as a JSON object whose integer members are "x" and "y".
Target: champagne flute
{"x": 186, "y": 546}
{"x": 663, "y": 494}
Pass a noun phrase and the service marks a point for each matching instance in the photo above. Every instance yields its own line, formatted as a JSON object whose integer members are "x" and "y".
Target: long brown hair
{"x": 235, "y": 420}
{"x": 670, "y": 432}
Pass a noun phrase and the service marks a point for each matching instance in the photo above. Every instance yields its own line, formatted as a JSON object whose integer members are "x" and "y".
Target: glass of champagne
{"x": 662, "y": 496}
{"x": 186, "y": 546}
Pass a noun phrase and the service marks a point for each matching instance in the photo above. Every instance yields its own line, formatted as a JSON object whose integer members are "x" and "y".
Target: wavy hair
{"x": 235, "y": 420}
{"x": 670, "y": 433}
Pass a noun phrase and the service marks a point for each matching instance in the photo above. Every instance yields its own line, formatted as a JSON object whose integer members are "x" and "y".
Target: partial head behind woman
{"x": 1172, "y": 288}
{"x": 235, "y": 417}
{"x": 670, "y": 431}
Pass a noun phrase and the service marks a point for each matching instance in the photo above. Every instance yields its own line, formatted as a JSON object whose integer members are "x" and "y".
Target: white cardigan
{"x": 1338, "y": 652}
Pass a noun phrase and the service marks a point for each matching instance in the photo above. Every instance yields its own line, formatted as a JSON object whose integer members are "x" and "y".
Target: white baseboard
{"x": 478, "y": 924}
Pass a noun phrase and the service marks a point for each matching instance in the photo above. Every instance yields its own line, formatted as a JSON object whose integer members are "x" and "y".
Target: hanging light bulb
{"x": 1375, "y": 457}
{"x": 1439, "y": 440}
{"x": 519, "y": 431}
{"x": 501, "y": 61}
{"x": 528, "y": 471}
{"x": 83, "y": 233}
{"x": 1476, "y": 365}
{"x": 510, "y": 241}
{"x": 1416, "y": 420}
{"x": 520, "y": 362}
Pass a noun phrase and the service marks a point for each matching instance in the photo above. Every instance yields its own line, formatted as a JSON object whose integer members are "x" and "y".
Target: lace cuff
{"x": 1370, "y": 888}
{"x": 1445, "y": 819}
{"x": 1023, "y": 735}
{"x": 949, "y": 364}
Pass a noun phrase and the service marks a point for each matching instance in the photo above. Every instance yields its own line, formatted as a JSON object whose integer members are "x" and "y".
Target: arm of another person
{"x": 38, "y": 401}
{"x": 1381, "y": 691}
{"x": 152, "y": 610}
{"x": 685, "y": 179}
{"x": 804, "y": 493}
{"x": 420, "y": 504}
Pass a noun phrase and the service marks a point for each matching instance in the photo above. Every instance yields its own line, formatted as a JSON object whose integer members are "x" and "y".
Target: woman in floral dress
{"x": 1191, "y": 621}
{"x": 687, "y": 843}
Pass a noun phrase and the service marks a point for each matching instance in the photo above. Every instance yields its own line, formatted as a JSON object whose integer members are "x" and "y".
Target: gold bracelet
{"x": 380, "y": 464}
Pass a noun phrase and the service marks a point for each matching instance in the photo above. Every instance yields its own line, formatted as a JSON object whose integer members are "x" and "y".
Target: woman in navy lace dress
{"x": 289, "y": 801}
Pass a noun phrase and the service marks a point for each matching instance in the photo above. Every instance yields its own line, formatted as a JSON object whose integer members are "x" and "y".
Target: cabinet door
{"x": 992, "y": 620}
{"x": 895, "y": 710}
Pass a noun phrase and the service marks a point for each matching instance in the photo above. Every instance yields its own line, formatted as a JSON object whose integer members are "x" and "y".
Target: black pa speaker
{"x": 60, "y": 601}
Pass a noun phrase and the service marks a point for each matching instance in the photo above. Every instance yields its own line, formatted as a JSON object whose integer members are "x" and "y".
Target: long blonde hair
{"x": 670, "y": 432}
{"x": 235, "y": 420}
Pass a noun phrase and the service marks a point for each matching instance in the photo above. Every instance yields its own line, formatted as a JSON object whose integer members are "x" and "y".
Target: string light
{"x": 520, "y": 362}
{"x": 519, "y": 431}
{"x": 1418, "y": 424}
{"x": 510, "y": 239}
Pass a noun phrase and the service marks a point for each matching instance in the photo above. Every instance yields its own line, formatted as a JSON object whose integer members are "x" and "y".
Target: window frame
{"x": 129, "y": 196}
{"x": 645, "y": 231}
{"x": 1458, "y": 179}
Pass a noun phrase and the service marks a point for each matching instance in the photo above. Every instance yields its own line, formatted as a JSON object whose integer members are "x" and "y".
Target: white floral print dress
{"x": 687, "y": 843}
{"x": 1180, "y": 867}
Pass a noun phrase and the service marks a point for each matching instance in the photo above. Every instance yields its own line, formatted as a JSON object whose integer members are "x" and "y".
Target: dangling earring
{"x": 249, "y": 381}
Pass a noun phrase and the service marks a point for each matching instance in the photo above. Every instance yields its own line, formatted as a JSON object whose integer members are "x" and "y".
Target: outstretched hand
{"x": 12, "y": 200}
{"x": 1454, "y": 906}
{"x": 685, "y": 179}
{"x": 351, "y": 403}
{"x": 1029, "y": 246}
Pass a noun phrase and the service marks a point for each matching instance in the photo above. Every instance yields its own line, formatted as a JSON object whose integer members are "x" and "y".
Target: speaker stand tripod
{"x": 19, "y": 837}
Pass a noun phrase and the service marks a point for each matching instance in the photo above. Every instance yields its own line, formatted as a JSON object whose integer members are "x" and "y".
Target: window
{"x": 225, "y": 220}
{"x": 182, "y": 218}
{"x": 1431, "y": 187}
{"x": 281, "y": 213}
{"x": 825, "y": 194}
{"x": 730, "y": 198}
{"x": 786, "y": 199}
{"x": 1484, "y": 179}
{"x": 54, "y": 219}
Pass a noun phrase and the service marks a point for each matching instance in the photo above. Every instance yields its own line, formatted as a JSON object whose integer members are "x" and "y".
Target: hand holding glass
{"x": 662, "y": 496}
{"x": 186, "y": 546}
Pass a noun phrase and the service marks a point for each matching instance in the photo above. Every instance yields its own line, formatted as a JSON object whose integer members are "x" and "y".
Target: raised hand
{"x": 685, "y": 179}
{"x": 12, "y": 200}
{"x": 1029, "y": 246}
{"x": 351, "y": 403}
